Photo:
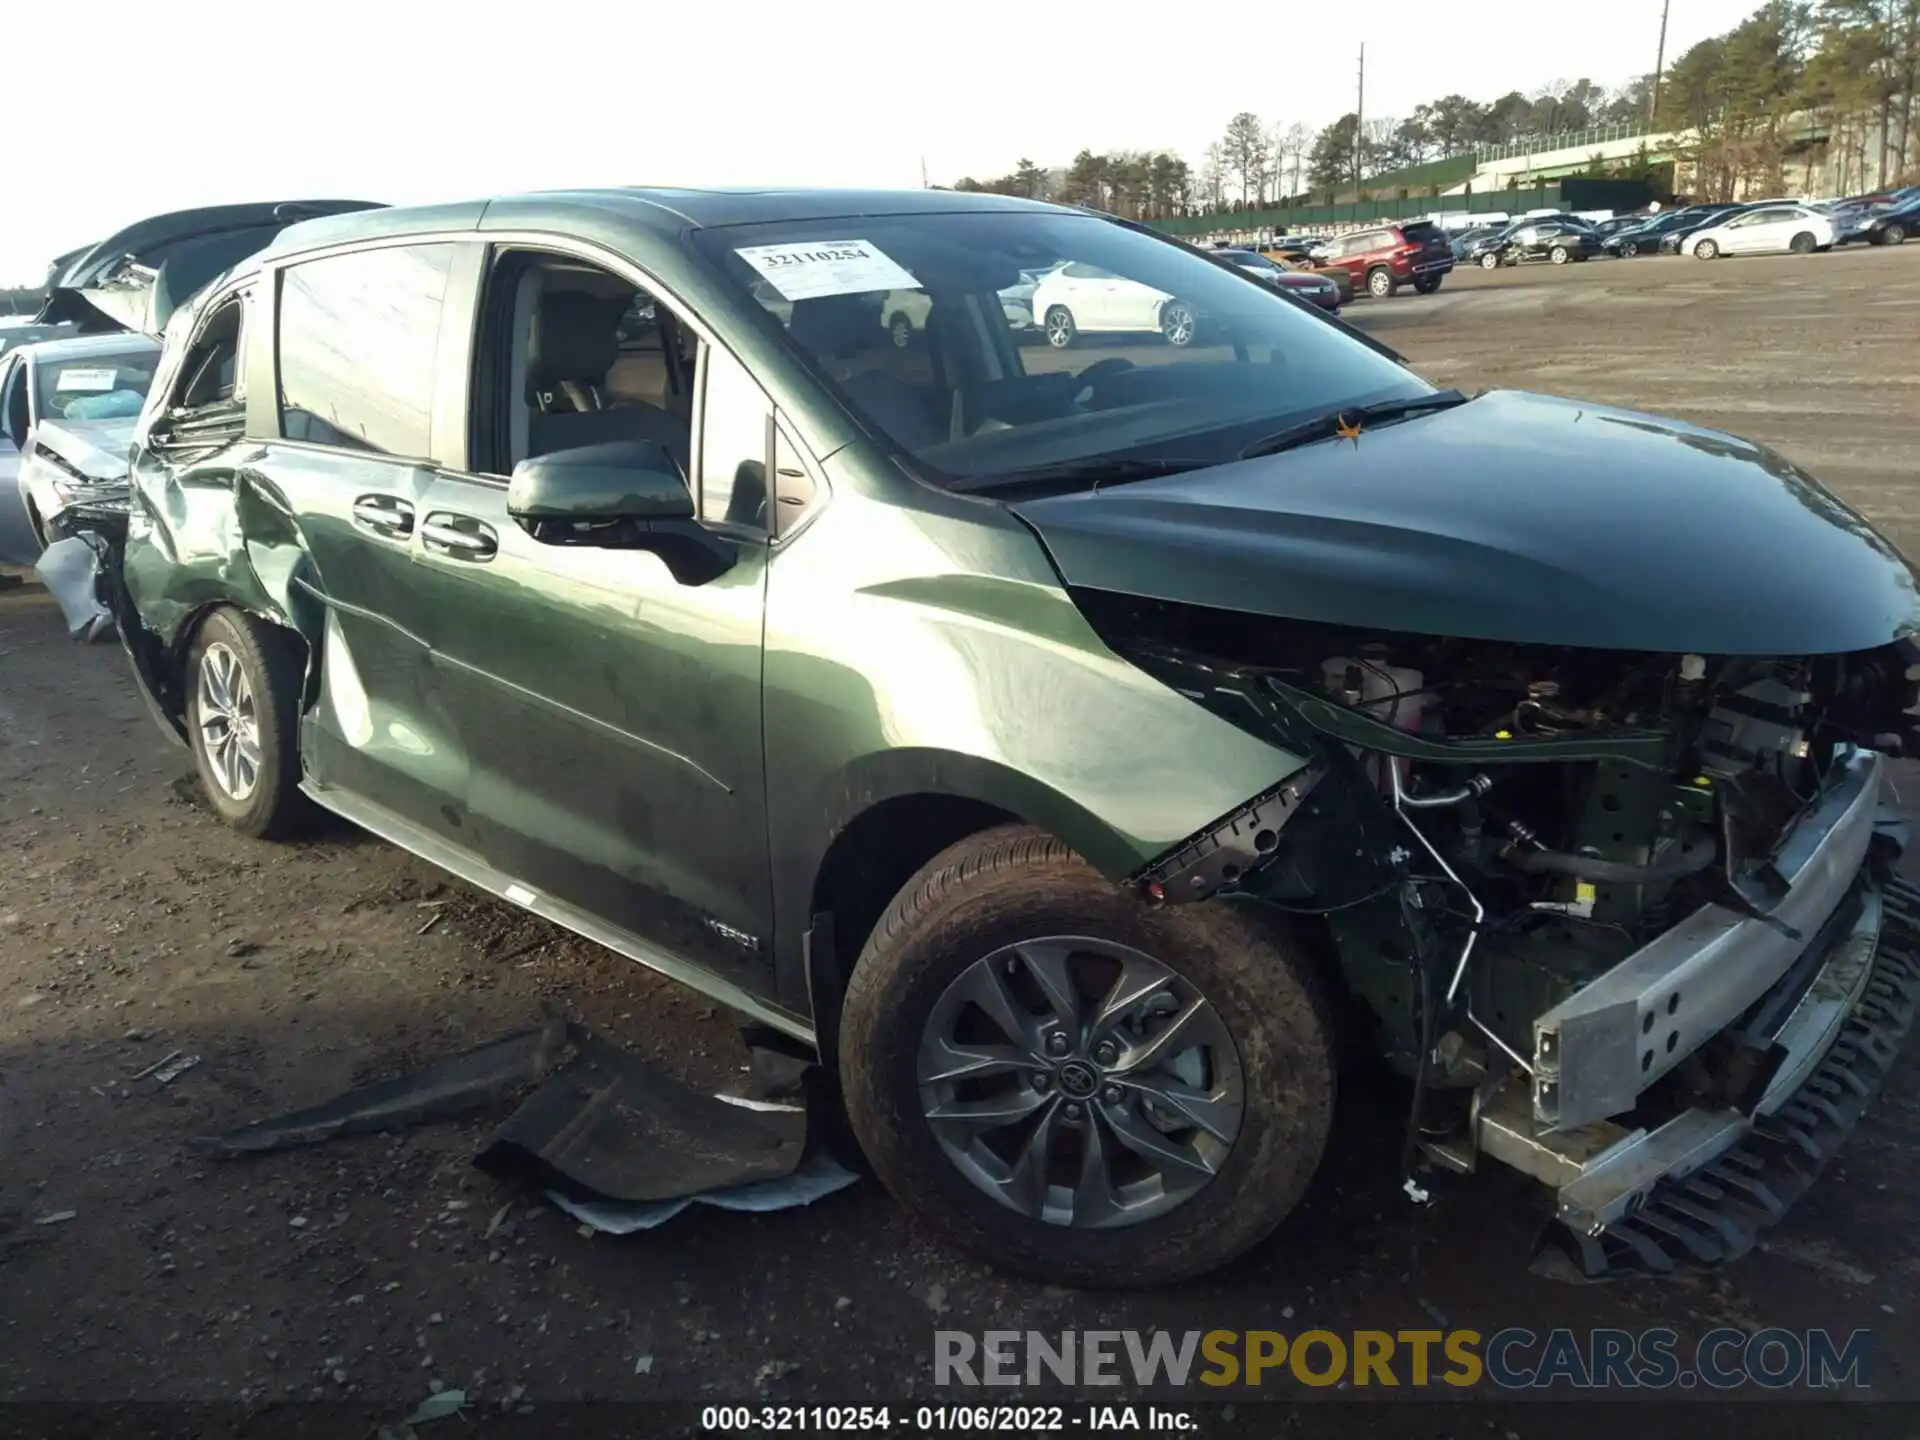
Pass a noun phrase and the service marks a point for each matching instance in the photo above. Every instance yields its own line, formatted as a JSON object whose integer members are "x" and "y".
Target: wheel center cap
{"x": 1078, "y": 1080}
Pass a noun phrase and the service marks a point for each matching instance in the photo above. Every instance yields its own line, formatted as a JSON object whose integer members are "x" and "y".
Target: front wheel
{"x": 1802, "y": 244}
{"x": 1380, "y": 283}
{"x": 1490, "y": 261}
{"x": 1628, "y": 250}
{"x": 1892, "y": 233}
{"x": 1178, "y": 323}
{"x": 1059, "y": 327}
{"x": 1077, "y": 1086}
{"x": 1559, "y": 255}
{"x": 901, "y": 329}
{"x": 243, "y": 701}
{"x": 1706, "y": 250}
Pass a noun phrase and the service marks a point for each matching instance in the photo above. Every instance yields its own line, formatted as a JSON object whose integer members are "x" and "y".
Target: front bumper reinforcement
{"x": 1714, "y": 1213}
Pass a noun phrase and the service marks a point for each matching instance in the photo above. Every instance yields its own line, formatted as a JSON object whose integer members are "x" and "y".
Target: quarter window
{"x": 359, "y": 338}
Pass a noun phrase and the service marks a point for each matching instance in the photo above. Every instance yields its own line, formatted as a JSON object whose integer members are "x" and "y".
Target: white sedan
{"x": 1081, "y": 299}
{"x": 1771, "y": 229}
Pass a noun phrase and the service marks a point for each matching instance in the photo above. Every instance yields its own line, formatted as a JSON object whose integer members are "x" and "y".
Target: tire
{"x": 1802, "y": 244}
{"x": 1380, "y": 283}
{"x": 901, "y": 329}
{"x": 1490, "y": 260}
{"x": 952, "y": 924}
{"x": 1427, "y": 284}
{"x": 1893, "y": 233}
{"x": 1178, "y": 323}
{"x": 1706, "y": 250}
{"x": 1059, "y": 326}
{"x": 1628, "y": 249}
{"x": 1559, "y": 255}
{"x": 266, "y": 701}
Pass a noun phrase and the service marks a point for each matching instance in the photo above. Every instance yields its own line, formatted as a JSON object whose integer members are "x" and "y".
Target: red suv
{"x": 1383, "y": 259}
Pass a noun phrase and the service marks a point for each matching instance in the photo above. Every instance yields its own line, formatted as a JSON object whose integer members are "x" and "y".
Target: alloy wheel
{"x": 1059, "y": 327}
{"x": 1705, "y": 250}
{"x": 228, "y": 721}
{"x": 1177, "y": 323}
{"x": 902, "y": 331}
{"x": 1080, "y": 1082}
{"x": 1893, "y": 234}
{"x": 1558, "y": 255}
{"x": 1490, "y": 261}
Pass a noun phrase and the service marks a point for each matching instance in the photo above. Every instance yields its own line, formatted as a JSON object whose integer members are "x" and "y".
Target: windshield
{"x": 99, "y": 385}
{"x": 1129, "y": 347}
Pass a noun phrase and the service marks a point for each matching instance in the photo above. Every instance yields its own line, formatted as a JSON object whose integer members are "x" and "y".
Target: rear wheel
{"x": 1427, "y": 284}
{"x": 1706, "y": 250}
{"x": 1802, "y": 244}
{"x": 1559, "y": 254}
{"x": 1077, "y": 1086}
{"x": 1490, "y": 260}
{"x": 1892, "y": 233}
{"x": 243, "y": 705}
{"x": 1380, "y": 282}
{"x": 1059, "y": 327}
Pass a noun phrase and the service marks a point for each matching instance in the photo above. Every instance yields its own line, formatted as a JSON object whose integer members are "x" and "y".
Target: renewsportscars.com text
{"x": 1510, "y": 1359}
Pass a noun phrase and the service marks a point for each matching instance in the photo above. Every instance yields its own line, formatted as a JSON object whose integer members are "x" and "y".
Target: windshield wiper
{"x": 1324, "y": 427}
{"x": 1081, "y": 474}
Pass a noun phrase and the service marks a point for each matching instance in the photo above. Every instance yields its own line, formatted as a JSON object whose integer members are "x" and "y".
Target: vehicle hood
{"x": 137, "y": 277}
{"x": 1513, "y": 517}
{"x": 97, "y": 449}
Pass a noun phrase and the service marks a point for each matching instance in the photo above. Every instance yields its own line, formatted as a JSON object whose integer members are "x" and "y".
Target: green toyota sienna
{"x": 1085, "y": 712}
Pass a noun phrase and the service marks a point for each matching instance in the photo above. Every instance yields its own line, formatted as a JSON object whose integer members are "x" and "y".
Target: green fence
{"x": 1284, "y": 218}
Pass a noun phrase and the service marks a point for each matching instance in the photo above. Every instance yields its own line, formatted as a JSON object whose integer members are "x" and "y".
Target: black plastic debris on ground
{"x": 599, "y": 1124}
{"x": 479, "y": 1079}
{"x": 610, "y": 1126}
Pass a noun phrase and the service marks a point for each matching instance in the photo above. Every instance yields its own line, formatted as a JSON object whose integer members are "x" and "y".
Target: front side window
{"x": 1127, "y": 345}
{"x": 359, "y": 339}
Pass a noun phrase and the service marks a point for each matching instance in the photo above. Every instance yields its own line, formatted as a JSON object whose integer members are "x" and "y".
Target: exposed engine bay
{"x": 1505, "y": 843}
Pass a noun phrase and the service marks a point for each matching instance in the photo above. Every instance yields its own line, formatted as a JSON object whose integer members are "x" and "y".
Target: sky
{"x": 117, "y": 116}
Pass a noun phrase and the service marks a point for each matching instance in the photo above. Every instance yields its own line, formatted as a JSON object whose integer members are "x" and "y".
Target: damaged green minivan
{"x": 1080, "y": 744}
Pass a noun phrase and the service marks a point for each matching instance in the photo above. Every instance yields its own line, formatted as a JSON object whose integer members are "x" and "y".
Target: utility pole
{"x": 1359, "y": 118}
{"x": 1659, "y": 64}
{"x": 923, "y": 173}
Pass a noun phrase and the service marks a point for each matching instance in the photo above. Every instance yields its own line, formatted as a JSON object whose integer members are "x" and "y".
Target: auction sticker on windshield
{"x": 91, "y": 380}
{"x": 827, "y": 267}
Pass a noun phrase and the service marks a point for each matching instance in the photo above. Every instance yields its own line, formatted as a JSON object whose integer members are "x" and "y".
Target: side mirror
{"x": 625, "y": 495}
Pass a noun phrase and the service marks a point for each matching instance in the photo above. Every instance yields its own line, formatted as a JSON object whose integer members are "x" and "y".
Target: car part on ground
{"x": 1578, "y": 809}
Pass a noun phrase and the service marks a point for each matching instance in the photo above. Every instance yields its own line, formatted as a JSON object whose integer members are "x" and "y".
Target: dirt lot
{"x": 132, "y": 926}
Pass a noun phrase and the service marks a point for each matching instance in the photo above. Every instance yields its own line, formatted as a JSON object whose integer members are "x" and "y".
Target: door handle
{"x": 460, "y": 537}
{"x": 385, "y": 515}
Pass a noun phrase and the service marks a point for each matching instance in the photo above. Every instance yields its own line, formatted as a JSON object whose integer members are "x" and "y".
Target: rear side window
{"x": 1420, "y": 232}
{"x": 359, "y": 337}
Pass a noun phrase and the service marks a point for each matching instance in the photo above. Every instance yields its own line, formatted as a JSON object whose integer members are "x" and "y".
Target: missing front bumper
{"x": 1699, "y": 1189}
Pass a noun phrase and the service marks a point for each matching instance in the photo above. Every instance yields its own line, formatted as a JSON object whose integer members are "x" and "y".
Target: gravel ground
{"x": 133, "y": 926}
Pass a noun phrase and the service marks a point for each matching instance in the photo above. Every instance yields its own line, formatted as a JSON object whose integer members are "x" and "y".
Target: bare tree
{"x": 1213, "y": 176}
{"x": 1243, "y": 150}
{"x": 1291, "y": 148}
